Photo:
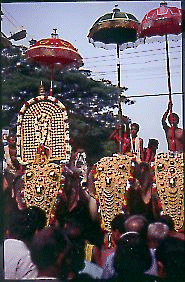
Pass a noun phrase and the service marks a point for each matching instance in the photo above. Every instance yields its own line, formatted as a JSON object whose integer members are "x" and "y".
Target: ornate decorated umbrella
{"x": 117, "y": 28}
{"x": 163, "y": 21}
{"x": 114, "y": 28}
{"x": 54, "y": 51}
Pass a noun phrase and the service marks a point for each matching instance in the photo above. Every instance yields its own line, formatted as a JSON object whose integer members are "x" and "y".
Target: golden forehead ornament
{"x": 43, "y": 147}
{"x": 169, "y": 173}
{"x": 112, "y": 174}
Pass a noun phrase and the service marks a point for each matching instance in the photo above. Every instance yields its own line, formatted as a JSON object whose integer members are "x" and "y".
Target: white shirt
{"x": 17, "y": 260}
{"x": 92, "y": 269}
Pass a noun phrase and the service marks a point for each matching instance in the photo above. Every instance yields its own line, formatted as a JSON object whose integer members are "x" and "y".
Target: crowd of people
{"x": 141, "y": 250}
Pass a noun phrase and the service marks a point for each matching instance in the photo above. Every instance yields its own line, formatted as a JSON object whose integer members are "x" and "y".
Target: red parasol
{"x": 161, "y": 21}
{"x": 117, "y": 28}
{"x": 54, "y": 51}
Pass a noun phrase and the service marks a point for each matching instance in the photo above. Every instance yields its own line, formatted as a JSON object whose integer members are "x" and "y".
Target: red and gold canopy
{"x": 51, "y": 51}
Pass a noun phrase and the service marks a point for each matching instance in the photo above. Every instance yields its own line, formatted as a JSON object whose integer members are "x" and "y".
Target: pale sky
{"x": 143, "y": 69}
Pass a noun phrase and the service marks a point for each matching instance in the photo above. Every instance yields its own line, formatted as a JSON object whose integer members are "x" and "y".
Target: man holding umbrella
{"x": 179, "y": 133}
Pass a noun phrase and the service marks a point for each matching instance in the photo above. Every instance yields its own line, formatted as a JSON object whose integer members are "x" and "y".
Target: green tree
{"x": 84, "y": 98}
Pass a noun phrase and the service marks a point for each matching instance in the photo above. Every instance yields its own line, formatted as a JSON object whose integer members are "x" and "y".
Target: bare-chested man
{"x": 179, "y": 132}
{"x": 12, "y": 167}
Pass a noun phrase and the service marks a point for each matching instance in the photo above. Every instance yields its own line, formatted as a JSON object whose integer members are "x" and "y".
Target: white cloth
{"x": 137, "y": 144}
{"x": 108, "y": 270}
{"x": 17, "y": 260}
{"x": 92, "y": 269}
{"x": 7, "y": 162}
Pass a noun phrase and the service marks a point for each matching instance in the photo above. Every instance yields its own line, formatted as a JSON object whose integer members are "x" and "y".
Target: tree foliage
{"x": 85, "y": 99}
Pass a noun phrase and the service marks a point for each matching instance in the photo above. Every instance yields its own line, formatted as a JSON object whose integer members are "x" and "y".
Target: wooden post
{"x": 170, "y": 95}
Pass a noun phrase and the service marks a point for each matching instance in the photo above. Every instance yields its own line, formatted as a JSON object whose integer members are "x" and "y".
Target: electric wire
{"x": 133, "y": 53}
{"x": 10, "y": 21}
{"x": 154, "y": 95}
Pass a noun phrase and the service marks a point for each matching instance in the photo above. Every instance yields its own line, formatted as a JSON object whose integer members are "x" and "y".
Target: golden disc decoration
{"x": 111, "y": 178}
{"x": 43, "y": 121}
{"x": 169, "y": 173}
{"x": 42, "y": 184}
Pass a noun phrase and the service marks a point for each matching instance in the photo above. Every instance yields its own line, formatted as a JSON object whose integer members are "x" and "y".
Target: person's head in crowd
{"x": 132, "y": 257}
{"x": 170, "y": 259}
{"x": 137, "y": 223}
{"x": 170, "y": 222}
{"x": 173, "y": 119}
{"x": 153, "y": 144}
{"x": 117, "y": 226}
{"x": 22, "y": 224}
{"x": 157, "y": 231}
{"x": 134, "y": 129}
{"x": 49, "y": 249}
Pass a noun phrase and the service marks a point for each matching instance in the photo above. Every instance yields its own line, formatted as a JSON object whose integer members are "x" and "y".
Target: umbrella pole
{"x": 51, "y": 87}
{"x": 118, "y": 65}
{"x": 119, "y": 100}
{"x": 170, "y": 95}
